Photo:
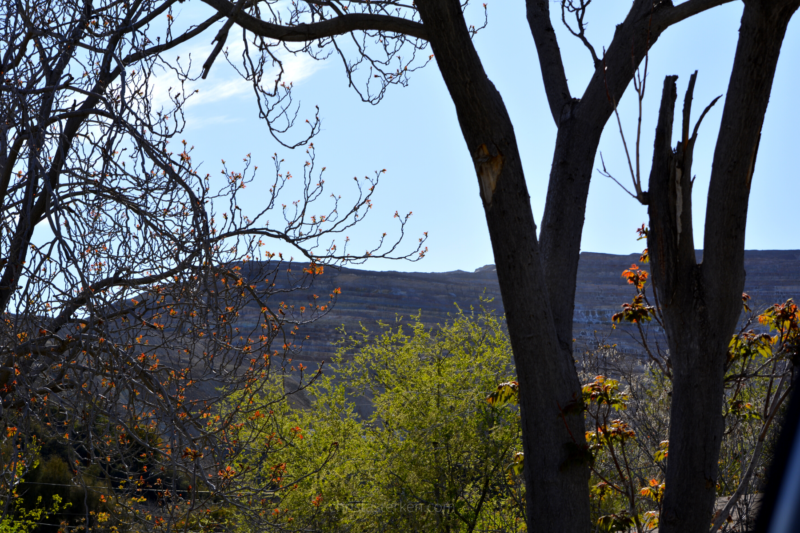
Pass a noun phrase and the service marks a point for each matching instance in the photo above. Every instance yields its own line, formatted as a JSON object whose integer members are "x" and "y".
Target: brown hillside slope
{"x": 369, "y": 296}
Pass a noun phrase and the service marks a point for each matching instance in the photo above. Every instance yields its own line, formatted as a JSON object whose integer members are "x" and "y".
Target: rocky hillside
{"x": 369, "y": 296}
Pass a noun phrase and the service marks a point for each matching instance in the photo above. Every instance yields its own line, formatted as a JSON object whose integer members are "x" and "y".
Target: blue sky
{"x": 414, "y": 134}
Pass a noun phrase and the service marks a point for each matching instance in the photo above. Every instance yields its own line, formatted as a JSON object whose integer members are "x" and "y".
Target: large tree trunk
{"x": 697, "y": 347}
{"x": 580, "y": 124}
{"x": 553, "y": 429}
{"x": 701, "y": 303}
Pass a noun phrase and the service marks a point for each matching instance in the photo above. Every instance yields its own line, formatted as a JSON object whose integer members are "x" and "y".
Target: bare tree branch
{"x": 322, "y": 29}
{"x": 550, "y": 61}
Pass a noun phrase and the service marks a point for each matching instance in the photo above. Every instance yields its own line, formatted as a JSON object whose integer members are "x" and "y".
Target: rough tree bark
{"x": 701, "y": 303}
{"x": 557, "y": 495}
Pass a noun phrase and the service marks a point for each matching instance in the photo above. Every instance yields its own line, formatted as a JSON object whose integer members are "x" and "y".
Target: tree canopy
{"x": 400, "y": 437}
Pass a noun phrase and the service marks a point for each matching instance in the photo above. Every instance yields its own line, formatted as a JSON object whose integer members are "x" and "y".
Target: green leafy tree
{"x": 427, "y": 453}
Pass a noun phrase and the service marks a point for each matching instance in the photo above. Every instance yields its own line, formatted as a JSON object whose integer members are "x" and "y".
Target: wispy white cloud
{"x": 223, "y": 83}
{"x": 218, "y": 90}
{"x": 300, "y": 67}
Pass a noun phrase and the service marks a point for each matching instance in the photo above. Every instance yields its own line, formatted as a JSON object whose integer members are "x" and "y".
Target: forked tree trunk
{"x": 553, "y": 430}
{"x": 701, "y": 303}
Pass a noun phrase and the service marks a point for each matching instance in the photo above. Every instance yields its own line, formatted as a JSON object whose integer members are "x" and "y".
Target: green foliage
{"x": 42, "y": 473}
{"x": 426, "y": 452}
{"x": 26, "y": 520}
{"x": 628, "y": 417}
{"x": 604, "y": 391}
{"x": 53, "y": 480}
{"x": 618, "y": 466}
{"x": 506, "y": 393}
{"x": 96, "y": 493}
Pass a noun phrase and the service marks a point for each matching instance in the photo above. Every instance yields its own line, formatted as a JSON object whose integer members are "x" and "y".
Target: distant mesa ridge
{"x": 371, "y": 296}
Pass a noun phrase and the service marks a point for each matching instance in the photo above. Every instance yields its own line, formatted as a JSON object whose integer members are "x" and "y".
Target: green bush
{"x": 433, "y": 454}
